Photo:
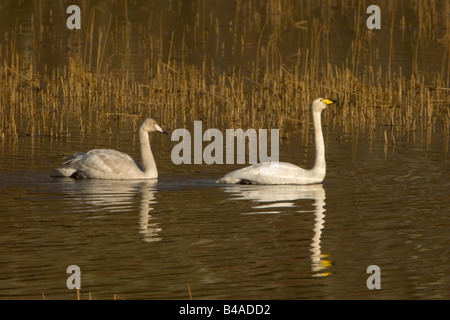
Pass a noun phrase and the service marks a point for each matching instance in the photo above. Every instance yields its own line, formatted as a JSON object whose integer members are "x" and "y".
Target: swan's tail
{"x": 73, "y": 158}
{"x": 230, "y": 180}
{"x": 70, "y": 166}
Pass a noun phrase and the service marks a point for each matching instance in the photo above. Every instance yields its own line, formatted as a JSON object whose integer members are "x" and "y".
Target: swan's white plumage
{"x": 113, "y": 164}
{"x": 283, "y": 172}
{"x": 273, "y": 173}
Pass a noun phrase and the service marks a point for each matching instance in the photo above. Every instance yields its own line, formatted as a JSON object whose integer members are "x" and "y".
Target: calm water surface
{"x": 151, "y": 240}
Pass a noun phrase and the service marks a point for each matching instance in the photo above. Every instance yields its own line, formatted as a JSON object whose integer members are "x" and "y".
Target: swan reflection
{"x": 271, "y": 200}
{"x": 118, "y": 195}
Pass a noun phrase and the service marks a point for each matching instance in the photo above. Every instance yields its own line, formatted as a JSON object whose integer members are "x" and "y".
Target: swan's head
{"x": 150, "y": 125}
{"x": 320, "y": 104}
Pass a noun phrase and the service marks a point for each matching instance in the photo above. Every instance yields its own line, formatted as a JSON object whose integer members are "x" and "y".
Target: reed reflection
{"x": 272, "y": 199}
{"x": 117, "y": 195}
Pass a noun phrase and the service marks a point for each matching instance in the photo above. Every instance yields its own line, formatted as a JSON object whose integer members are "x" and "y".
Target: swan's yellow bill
{"x": 328, "y": 101}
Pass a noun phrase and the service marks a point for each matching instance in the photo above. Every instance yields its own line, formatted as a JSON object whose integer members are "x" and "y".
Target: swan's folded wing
{"x": 107, "y": 163}
{"x": 270, "y": 173}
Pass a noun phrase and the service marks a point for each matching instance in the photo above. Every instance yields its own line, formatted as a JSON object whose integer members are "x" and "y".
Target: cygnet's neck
{"x": 148, "y": 162}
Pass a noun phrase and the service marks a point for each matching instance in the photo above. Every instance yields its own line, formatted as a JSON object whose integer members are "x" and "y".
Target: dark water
{"x": 151, "y": 240}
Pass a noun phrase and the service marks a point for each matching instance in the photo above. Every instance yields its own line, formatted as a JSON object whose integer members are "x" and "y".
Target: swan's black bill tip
{"x": 329, "y": 101}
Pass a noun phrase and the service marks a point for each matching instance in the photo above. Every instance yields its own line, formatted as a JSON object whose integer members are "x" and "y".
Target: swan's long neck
{"x": 319, "y": 167}
{"x": 148, "y": 162}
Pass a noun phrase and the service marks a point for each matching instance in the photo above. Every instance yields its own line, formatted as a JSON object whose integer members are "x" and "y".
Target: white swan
{"x": 287, "y": 173}
{"x": 113, "y": 164}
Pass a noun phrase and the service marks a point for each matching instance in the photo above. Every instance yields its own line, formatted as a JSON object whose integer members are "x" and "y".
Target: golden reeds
{"x": 274, "y": 89}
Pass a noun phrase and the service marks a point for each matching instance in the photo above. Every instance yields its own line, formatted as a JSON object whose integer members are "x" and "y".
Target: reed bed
{"x": 98, "y": 79}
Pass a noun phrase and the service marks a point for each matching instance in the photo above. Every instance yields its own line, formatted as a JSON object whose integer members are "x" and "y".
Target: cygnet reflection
{"x": 118, "y": 195}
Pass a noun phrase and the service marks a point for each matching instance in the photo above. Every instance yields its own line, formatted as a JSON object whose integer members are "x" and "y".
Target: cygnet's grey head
{"x": 150, "y": 125}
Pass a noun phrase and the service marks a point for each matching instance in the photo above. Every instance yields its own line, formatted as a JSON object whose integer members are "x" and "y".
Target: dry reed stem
{"x": 190, "y": 292}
